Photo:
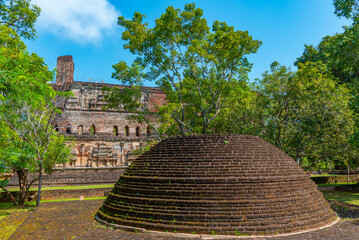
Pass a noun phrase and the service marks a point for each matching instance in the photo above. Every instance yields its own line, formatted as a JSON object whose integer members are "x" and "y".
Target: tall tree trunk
{"x": 329, "y": 165}
{"x": 22, "y": 174}
{"x": 38, "y": 198}
{"x": 348, "y": 170}
{"x": 204, "y": 129}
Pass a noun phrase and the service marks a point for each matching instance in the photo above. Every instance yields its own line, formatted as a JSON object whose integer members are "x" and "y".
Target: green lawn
{"x": 333, "y": 184}
{"x": 323, "y": 175}
{"x": 347, "y": 197}
{"x": 69, "y": 187}
{"x": 68, "y": 199}
{"x": 9, "y": 223}
{"x": 7, "y": 208}
{"x": 77, "y": 187}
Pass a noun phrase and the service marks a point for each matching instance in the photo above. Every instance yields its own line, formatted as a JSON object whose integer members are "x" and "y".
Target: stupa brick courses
{"x": 217, "y": 184}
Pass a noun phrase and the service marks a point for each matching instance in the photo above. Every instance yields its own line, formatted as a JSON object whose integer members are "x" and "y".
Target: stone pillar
{"x": 65, "y": 72}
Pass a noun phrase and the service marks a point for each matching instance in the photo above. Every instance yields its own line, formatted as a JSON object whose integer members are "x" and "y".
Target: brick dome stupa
{"x": 217, "y": 184}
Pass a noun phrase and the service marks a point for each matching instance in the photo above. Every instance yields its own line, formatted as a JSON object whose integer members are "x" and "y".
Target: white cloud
{"x": 84, "y": 21}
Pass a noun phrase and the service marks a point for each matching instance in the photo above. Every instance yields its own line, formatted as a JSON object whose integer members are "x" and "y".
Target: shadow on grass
{"x": 347, "y": 197}
{"x": 347, "y": 212}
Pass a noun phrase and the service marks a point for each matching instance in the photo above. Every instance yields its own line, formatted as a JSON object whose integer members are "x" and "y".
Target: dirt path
{"x": 75, "y": 220}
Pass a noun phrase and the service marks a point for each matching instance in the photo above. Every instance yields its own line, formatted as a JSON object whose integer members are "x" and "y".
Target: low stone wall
{"x": 335, "y": 179}
{"x": 60, "y": 194}
{"x": 83, "y": 177}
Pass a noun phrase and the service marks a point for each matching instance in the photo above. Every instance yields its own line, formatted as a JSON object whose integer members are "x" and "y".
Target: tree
{"x": 17, "y": 156}
{"x": 340, "y": 53}
{"x": 197, "y": 68}
{"x": 27, "y": 107}
{"x": 58, "y": 151}
{"x": 241, "y": 114}
{"x": 347, "y": 8}
{"x": 26, "y": 98}
{"x": 306, "y": 113}
{"x": 17, "y": 19}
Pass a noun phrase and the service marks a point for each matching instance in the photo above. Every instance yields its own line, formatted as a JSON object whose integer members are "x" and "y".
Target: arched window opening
{"x": 68, "y": 129}
{"x": 56, "y": 128}
{"x": 127, "y": 131}
{"x": 115, "y": 130}
{"x": 148, "y": 131}
{"x": 80, "y": 129}
{"x": 92, "y": 129}
{"x": 137, "y": 131}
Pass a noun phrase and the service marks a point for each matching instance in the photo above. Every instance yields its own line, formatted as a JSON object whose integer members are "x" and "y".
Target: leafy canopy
{"x": 26, "y": 101}
{"x": 17, "y": 19}
{"x": 197, "y": 67}
{"x": 347, "y": 8}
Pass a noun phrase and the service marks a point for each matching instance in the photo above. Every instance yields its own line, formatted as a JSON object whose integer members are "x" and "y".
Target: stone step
{"x": 214, "y": 227}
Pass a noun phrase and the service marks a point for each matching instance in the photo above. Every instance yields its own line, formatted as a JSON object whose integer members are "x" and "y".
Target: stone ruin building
{"x": 216, "y": 184}
{"x": 102, "y": 138}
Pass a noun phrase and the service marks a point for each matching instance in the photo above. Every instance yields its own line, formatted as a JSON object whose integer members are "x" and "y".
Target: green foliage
{"x": 15, "y": 154}
{"x": 339, "y": 52}
{"x": 27, "y": 138}
{"x": 17, "y": 19}
{"x": 147, "y": 146}
{"x": 26, "y": 100}
{"x": 92, "y": 130}
{"x": 196, "y": 67}
{"x": 346, "y": 8}
{"x": 299, "y": 112}
{"x": 58, "y": 151}
{"x": 240, "y": 115}
{"x": 304, "y": 111}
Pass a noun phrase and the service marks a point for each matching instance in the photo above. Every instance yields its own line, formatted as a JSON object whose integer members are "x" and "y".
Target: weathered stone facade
{"x": 102, "y": 138}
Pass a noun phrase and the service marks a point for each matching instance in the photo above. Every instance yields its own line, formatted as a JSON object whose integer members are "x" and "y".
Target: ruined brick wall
{"x": 100, "y": 136}
{"x": 65, "y": 73}
{"x": 157, "y": 99}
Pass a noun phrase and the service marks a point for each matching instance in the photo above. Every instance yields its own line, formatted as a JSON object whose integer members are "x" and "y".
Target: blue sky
{"x": 88, "y": 30}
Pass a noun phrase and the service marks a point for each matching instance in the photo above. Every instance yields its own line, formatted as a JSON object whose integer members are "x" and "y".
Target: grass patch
{"x": 9, "y": 223}
{"x": 334, "y": 184}
{"x": 68, "y": 187}
{"x": 30, "y": 206}
{"x": 5, "y": 182}
{"x": 7, "y": 208}
{"x": 33, "y": 203}
{"x": 11, "y": 217}
{"x": 77, "y": 187}
{"x": 347, "y": 197}
{"x": 324, "y": 175}
{"x": 72, "y": 199}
